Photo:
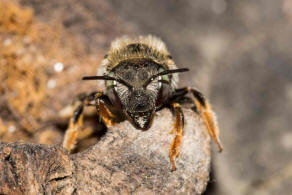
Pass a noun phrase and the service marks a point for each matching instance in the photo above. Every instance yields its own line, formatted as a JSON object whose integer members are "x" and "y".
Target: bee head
{"x": 137, "y": 93}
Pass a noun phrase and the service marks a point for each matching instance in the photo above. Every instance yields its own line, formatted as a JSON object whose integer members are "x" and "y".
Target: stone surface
{"x": 34, "y": 169}
{"x": 124, "y": 161}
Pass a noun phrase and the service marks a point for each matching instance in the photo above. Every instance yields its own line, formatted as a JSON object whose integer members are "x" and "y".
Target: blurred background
{"x": 239, "y": 53}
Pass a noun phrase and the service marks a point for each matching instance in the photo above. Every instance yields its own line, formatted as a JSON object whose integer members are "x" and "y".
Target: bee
{"x": 141, "y": 78}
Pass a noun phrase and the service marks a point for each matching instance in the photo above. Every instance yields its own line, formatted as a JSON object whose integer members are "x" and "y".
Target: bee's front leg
{"x": 97, "y": 99}
{"x": 76, "y": 120}
{"x": 178, "y": 130}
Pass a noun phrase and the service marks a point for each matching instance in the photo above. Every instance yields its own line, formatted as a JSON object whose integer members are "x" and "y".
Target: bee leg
{"x": 209, "y": 117}
{"x": 76, "y": 120}
{"x": 203, "y": 107}
{"x": 97, "y": 99}
{"x": 178, "y": 130}
{"x": 74, "y": 125}
{"x": 105, "y": 114}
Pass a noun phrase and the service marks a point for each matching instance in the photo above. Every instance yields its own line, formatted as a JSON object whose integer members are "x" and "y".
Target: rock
{"x": 125, "y": 160}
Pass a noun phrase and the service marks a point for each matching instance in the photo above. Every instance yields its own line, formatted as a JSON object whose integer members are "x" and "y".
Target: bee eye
{"x": 163, "y": 77}
{"x": 109, "y": 83}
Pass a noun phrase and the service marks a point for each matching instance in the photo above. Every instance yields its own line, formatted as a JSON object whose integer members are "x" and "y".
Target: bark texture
{"x": 124, "y": 161}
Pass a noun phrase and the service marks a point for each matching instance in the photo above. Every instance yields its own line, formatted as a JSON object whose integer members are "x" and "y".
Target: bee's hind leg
{"x": 203, "y": 107}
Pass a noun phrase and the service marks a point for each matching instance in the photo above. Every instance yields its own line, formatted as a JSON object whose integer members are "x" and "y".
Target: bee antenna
{"x": 98, "y": 78}
{"x": 172, "y": 71}
{"x": 166, "y": 72}
{"x": 108, "y": 78}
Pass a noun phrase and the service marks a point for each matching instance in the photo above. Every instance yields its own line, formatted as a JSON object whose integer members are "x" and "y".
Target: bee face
{"x": 138, "y": 99}
{"x": 139, "y": 106}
